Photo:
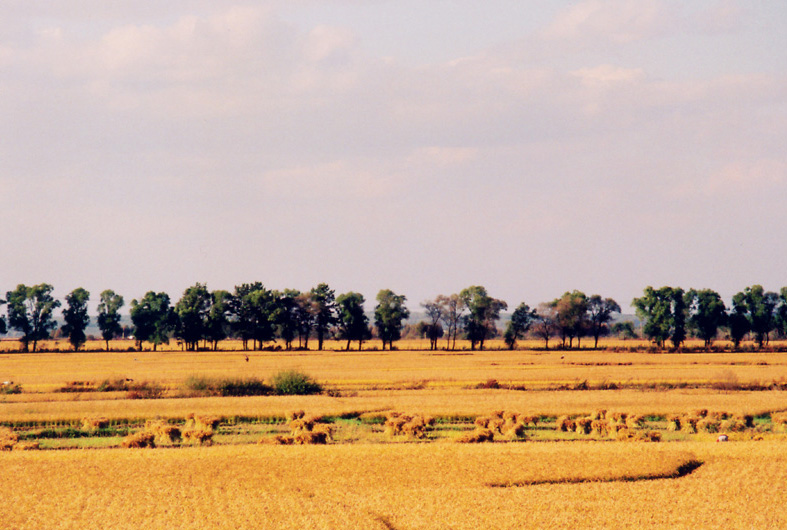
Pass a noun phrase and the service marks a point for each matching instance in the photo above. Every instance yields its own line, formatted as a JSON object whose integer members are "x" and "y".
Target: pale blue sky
{"x": 531, "y": 147}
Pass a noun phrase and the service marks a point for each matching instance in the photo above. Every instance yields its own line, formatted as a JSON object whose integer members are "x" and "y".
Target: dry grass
{"x": 581, "y": 485}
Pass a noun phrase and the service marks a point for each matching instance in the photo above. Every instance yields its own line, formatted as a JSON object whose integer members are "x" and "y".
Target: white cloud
{"x": 615, "y": 21}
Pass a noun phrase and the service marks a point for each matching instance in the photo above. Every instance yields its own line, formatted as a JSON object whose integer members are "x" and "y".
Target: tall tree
{"x": 522, "y": 318}
{"x": 599, "y": 315}
{"x": 305, "y": 313}
{"x": 707, "y": 313}
{"x": 324, "y": 307}
{"x": 153, "y": 319}
{"x": 218, "y": 321}
{"x": 252, "y": 309}
{"x": 664, "y": 312}
{"x": 109, "y": 315}
{"x": 737, "y": 321}
{"x": 545, "y": 324}
{"x": 484, "y": 311}
{"x": 389, "y": 314}
{"x": 285, "y": 315}
{"x": 193, "y": 310}
{"x": 453, "y": 308}
{"x": 761, "y": 312}
{"x": 571, "y": 312}
{"x": 351, "y": 320}
{"x": 3, "y": 327}
{"x": 434, "y": 330}
{"x": 31, "y": 312}
{"x": 76, "y": 317}
{"x": 781, "y": 312}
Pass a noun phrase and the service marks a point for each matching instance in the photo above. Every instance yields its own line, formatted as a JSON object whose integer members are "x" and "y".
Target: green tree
{"x": 664, "y": 313}
{"x": 153, "y": 318}
{"x": 305, "y": 313}
{"x": 781, "y": 312}
{"x": 433, "y": 329}
{"x": 285, "y": 315}
{"x": 323, "y": 305}
{"x": 76, "y": 317}
{"x": 599, "y": 315}
{"x": 571, "y": 316}
{"x": 624, "y": 330}
{"x": 218, "y": 322}
{"x": 109, "y": 315}
{"x": 483, "y": 313}
{"x": 737, "y": 321}
{"x": 389, "y": 314}
{"x": 31, "y": 312}
{"x": 193, "y": 310}
{"x": 761, "y": 312}
{"x": 252, "y": 311}
{"x": 707, "y": 313}
{"x": 521, "y": 319}
{"x": 3, "y": 327}
{"x": 351, "y": 320}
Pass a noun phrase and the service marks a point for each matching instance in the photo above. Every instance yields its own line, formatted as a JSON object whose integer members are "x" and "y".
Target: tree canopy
{"x": 389, "y": 316}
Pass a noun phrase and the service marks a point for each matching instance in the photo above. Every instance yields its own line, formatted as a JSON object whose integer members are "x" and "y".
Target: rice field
{"x": 366, "y": 479}
{"x": 416, "y": 486}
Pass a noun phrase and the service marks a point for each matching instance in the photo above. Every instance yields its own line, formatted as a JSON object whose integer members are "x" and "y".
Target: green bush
{"x": 227, "y": 387}
{"x": 293, "y": 382}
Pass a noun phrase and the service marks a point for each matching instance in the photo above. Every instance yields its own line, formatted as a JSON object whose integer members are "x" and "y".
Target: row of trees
{"x": 256, "y": 315}
{"x": 670, "y": 313}
{"x": 252, "y": 313}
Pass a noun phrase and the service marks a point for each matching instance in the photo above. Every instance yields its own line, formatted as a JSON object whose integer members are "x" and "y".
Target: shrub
{"x": 294, "y": 383}
{"x": 203, "y": 386}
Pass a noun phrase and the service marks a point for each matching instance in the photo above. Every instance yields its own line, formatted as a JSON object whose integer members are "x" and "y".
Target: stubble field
{"x": 365, "y": 479}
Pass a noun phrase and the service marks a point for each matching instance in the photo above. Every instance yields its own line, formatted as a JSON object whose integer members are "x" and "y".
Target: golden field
{"x": 413, "y": 486}
{"x": 363, "y": 480}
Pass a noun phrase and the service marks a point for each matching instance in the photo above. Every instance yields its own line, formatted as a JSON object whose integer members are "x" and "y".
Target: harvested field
{"x": 399, "y": 486}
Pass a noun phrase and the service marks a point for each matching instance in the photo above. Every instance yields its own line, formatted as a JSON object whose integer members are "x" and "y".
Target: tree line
{"x": 257, "y": 315}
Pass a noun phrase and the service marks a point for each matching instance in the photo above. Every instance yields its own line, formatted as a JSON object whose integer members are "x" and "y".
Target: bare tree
{"x": 453, "y": 308}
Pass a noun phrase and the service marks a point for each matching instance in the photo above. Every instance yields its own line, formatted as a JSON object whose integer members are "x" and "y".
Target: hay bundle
{"x": 618, "y": 417}
{"x": 530, "y": 420}
{"x": 732, "y": 425}
{"x": 281, "y": 439}
{"x": 584, "y": 425}
{"x": 635, "y": 422}
{"x": 599, "y": 428}
{"x": 165, "y": 433}
{"x": 699, "y": 413}
{"x": 200, "y": 436}
{"x": 92, "y": 424}
{"x": 599, "y": 415}
{"x": 565, "y": 424}
{"x": 27, "y": 446}
{"x": 689, "y": 424}
{"x": 139, "y": 440}
{"x": 674, "y": 423}
{"x": 479, "y": 435}
{"x": 708, "y": 424}
{"x": 8, "y": 439}
{"x": 623, "y": 434}
{"x": 410, "y": 425}
{"x": 295, "y": 415}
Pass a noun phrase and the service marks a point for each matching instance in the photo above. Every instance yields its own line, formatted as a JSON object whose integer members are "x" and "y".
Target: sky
{"x": 530, "y": 147}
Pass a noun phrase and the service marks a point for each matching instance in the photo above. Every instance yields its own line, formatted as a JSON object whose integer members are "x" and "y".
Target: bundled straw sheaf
{"x": 409, "y": 425}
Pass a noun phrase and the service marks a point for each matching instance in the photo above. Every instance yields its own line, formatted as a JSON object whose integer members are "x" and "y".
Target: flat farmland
{"x": 366, "y": 478}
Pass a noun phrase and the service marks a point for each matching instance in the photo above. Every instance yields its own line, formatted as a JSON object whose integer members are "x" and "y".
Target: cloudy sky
{"x": 531, "y": 147}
